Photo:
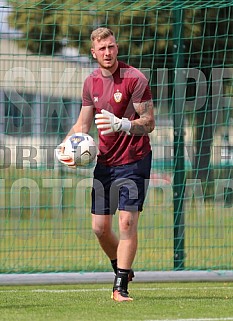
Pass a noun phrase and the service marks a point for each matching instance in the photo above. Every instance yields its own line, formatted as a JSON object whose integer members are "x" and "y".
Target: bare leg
{"x": 127, "y": 247}
{"x": 102, "y": 227}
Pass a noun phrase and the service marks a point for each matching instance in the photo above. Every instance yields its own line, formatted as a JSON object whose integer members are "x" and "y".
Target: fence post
{"x": 178, "y": 123}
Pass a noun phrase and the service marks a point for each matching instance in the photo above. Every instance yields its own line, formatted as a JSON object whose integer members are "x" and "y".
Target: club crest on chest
{"x": 117, "y": 96}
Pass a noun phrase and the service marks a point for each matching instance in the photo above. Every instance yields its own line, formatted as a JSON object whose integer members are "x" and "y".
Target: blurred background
{"x": 185, "y": 51}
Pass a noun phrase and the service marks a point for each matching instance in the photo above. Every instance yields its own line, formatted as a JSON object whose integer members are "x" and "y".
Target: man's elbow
{"x": 151, "y": 125}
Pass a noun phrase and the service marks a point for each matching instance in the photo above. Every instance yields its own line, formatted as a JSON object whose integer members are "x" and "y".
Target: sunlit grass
{"x": 161, "y": 301}
{"x": 55, "y": 233}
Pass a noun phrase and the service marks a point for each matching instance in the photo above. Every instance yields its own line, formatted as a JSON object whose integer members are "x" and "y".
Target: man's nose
{"x": 107, "y": 51}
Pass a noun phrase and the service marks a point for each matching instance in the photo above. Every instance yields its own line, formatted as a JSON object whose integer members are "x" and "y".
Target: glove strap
{"x": 126, "y": 125}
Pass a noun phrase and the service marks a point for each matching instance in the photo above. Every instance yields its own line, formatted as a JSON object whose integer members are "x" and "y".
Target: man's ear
{"x": 93, "y": 53}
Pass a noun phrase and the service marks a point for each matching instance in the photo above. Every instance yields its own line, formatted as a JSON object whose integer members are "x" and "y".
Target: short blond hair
{"x": 101, "y": 33}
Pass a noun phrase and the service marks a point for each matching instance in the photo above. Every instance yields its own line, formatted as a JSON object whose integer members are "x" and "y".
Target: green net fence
{"x": 185, "y": 49}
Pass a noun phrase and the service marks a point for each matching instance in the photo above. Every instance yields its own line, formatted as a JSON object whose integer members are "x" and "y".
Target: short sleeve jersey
{"x": 117, "y": 93}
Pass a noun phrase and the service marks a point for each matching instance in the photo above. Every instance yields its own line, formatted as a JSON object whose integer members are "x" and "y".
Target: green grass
{"x": 40, "y": 233}
{"x": 91, "y": 302}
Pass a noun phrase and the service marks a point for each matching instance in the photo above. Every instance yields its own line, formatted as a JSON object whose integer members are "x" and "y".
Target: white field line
{"x": 201, "y": 319}
{"x": 134, "y": 289}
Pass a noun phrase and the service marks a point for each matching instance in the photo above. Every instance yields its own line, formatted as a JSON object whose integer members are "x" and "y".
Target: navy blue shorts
{"x": 121, "y": 187}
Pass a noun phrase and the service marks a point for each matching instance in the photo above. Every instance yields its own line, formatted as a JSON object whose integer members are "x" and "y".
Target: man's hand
{"x": 62, "y": 157}
{"x": 59, "y": 151}
{"x": 111, "y": 123}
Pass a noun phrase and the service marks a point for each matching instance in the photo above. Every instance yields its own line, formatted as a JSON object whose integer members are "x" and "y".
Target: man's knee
{"x": 101, "y": 225}
{"x": 128, "y": 222}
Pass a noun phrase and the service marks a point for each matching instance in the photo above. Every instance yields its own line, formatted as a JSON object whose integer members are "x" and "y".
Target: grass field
{"x": 91, "y": 302}
{"x": 44, "y": 231}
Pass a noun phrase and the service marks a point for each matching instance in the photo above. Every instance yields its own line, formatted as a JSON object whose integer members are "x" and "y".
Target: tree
{"x": 216, "y": 30}
{"x": 146, "y": 40}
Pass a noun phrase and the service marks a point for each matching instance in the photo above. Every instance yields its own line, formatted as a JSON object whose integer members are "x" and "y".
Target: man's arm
{"x": 108, "y": 123}
{"x": 146, "y": 123}
{"x": 84, "y": 121}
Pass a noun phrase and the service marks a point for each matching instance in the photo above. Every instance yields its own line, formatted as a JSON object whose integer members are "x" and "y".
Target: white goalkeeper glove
{"x": 62, "y": 157}
{"x": 111, "y": 123}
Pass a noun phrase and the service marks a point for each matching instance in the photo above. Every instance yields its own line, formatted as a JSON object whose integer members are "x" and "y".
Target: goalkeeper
{"x": 119, "y": 98}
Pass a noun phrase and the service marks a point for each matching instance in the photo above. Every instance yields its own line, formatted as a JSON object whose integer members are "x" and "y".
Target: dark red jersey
{"x": 117, "y": 93}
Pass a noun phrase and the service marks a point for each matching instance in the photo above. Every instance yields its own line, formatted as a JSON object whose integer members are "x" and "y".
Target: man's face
{"x": 105, "y": 52}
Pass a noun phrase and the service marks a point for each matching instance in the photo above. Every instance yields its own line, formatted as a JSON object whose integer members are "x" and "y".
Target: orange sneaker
{"x": 120, "y": 296}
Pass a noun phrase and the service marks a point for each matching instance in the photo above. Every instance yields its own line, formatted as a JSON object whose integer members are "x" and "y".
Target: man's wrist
{"x": 126, "y": 125}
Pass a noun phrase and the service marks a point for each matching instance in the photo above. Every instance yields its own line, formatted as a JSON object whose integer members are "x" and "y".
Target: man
{"x": 119, "y": 98}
